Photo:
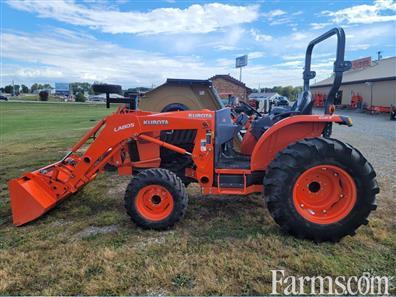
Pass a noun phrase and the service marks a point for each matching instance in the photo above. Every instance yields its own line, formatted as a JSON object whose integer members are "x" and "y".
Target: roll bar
{"x": 340, "y": 65}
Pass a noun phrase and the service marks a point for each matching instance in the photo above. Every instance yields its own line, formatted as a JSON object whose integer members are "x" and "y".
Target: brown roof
{"x": 384, "y": 69}
{"x": 231, "y": 79}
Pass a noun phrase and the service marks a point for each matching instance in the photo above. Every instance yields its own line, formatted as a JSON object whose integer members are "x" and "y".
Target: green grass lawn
{"x": 87, "y": 245}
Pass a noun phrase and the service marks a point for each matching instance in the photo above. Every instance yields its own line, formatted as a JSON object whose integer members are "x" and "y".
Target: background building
{"x": 226, "y": 85}
{"x": 62, "y": 89}
{"x": 373, "y": 81}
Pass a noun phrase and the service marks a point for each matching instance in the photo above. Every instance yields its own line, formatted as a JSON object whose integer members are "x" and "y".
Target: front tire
{"x": 320, "y": 189}
{"x": 156, "y": 199}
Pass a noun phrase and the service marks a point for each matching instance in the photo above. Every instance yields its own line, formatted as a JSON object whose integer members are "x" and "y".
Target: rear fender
{"x": 288, "y": 131}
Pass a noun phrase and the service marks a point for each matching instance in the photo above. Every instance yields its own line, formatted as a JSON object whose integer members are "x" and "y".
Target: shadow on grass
{"x": 207, "y": 218}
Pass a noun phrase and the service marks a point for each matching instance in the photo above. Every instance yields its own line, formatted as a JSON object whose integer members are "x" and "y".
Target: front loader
{"x": 315, "y": 187}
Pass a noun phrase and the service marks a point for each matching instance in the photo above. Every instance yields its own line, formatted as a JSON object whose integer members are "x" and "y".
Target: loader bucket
{"x": 31, "y": 197}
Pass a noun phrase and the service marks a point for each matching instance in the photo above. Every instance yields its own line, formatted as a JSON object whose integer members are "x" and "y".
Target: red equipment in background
{"x": 319, "y": 99}
{"x": 380, "y": 109}
{"x": 356, "y": 100}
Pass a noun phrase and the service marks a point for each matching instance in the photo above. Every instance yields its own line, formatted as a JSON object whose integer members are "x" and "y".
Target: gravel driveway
{"x": 375, "y": 137}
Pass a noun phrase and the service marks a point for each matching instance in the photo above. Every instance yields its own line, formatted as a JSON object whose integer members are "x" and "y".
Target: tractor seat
{"x": 226, "y": 129}
{"x": 303, "y": 106}
{"x": 304, "y": 103}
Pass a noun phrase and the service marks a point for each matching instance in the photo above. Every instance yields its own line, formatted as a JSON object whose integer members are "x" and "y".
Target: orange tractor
{"x": 315, "y": 187}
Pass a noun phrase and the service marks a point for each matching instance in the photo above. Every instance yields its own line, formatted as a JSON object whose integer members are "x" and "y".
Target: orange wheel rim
{"x": 154, "y": 202}
{"x": 324, "y": 194}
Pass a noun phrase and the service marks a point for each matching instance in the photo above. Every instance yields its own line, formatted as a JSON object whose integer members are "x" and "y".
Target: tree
{"x": 43, "y": 95}
{"x": 16, "y": 89}
{"x": 289, "y": 91}
{"x": 78, "y": 87}
{"x": 277, "y": 89}
{"x": 9, "y": 89}
{"x": 80, "y": 97}
{"x": 36, "y": 87}
{"x": 47, "y": 86}
{"x": 24, "y": 89}
{"x": 295, "y": 93}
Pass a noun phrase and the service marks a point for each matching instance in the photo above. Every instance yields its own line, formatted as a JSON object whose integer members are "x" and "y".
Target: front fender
{"x": 288, "y": 131}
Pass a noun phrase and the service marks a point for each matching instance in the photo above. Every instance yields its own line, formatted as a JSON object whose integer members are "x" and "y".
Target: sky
{"x": 141, "y": 43}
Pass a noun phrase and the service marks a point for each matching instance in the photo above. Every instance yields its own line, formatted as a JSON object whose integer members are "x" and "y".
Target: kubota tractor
{"x": 315, "y": 187}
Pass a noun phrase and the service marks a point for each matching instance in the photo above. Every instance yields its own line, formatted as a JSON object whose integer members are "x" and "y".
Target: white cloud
{"x": 226, "y": 63}
{"x": 302, "y": 56}
{"x": 71, "y": 56}
{"x": 38, "y": 72}
{"x": 380, "y": 11}
{"x": 196, "y": 18}
{"x": 298, "y": 36}
{"x": 273, "y": 13}
{"x": 293, "y": 57}
{"x": 223, "y": 47}
{"x": 229, "y": 39}
{"x": 318, "y": 26}
{"x": 360, "y": 46}
{"x": 68, "y": 56}
{"x": 280, "y": 17}
{"x": 281, "y": 21}
{"x": 293, "y": 64}
{"x": 362, "y": 37}
{"x": 369, "y": 36}
{"x": 256, "y": 55}
{"x": 259, "y": 36}
{"x": 300, "y": 12}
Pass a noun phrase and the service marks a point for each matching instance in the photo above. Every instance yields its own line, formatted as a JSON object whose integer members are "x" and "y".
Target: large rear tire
{"x": 320, "y": 189}
{"x": 156, "y": 199}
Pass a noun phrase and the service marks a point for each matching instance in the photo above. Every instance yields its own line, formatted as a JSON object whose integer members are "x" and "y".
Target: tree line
{"x": 17, "y": 89}
{"x": 80, "y": 89}
{"x": 75, "y": 88}
{"x": 289, "y": 91}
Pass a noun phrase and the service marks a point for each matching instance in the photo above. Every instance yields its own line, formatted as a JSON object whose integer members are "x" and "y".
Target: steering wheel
{"x": 250, "y": 108}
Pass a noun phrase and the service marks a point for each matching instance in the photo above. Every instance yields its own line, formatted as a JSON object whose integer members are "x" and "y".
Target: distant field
{"x": 224, "y": 246}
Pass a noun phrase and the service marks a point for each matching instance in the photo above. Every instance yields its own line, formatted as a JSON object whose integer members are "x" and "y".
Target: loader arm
{"x": 36, "y": 192}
